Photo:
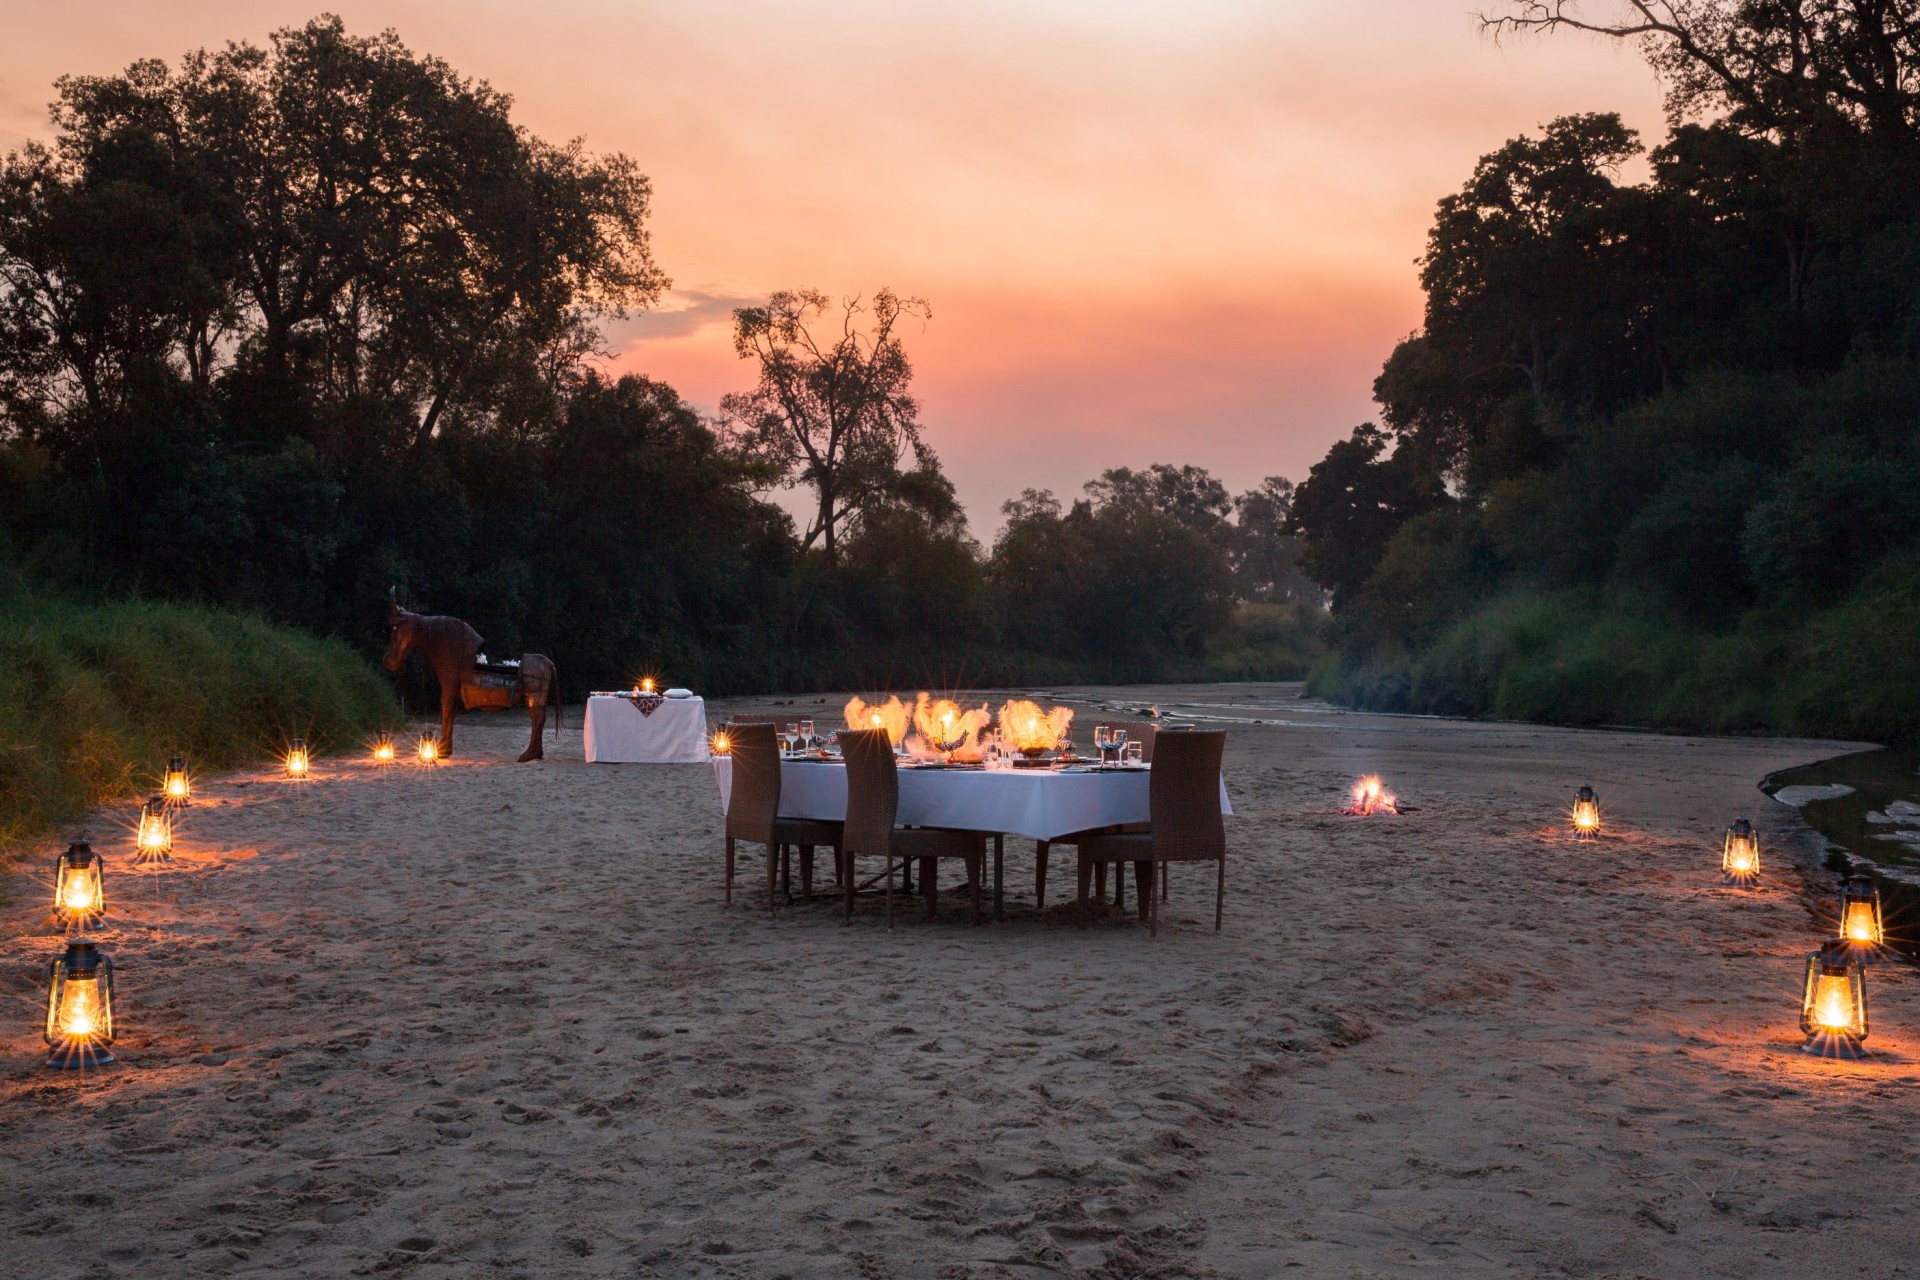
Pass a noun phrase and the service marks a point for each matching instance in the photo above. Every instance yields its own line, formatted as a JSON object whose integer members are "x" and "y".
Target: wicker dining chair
{"x": 1184, "y": 802}
{"x": 873, "y": 804}
{"x": 753, "y": 812}
{"x": 1141, "y": 731}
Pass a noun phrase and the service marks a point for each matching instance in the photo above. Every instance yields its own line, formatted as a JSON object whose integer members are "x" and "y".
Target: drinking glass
{"x": 1136, "y": 753}
{"x": 1118, "y": 737}
{"x": 806, "y": 734}
{"x": 1102, "y": 741}
{"x": 790, "y": 739}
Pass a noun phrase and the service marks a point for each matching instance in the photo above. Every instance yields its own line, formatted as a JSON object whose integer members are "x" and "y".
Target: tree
{"x": 1266, "y": 557}
{"x": 1351, "y": 504}
{"x": 832, "y": 410}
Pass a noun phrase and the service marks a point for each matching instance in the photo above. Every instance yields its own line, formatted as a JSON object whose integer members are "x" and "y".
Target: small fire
{"x": 1031, "y": 730}
{"x": 947, "y": 729}
{"x": 1370, "y": 797}
{"x": 892, "y": 715}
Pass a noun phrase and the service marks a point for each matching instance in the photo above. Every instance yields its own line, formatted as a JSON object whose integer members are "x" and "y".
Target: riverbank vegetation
{"x": 94, "y": 698}
{"x": 1652, "y": 457}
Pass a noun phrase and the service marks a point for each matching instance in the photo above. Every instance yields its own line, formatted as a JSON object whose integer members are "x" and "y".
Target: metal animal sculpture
{"x": 451, "y": 648}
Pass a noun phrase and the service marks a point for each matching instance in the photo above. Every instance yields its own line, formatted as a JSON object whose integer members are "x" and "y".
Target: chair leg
{"x": 773, "y": 873}
{"x": 1086, "y": 878}
{"x": 999, "y": 876}
{"x": 1142, "y": 885}
{"x": 889, "y": 882}
{"x": 1220, "y": 896}
{"x": 1153, "y": 918}
{"x": 729, "y": 870}
{"x": 1100, "y": 880}
{"x": 806, "y": 873}
{"x": 976, "y": 873}
{"x": 844, "y": 860}
{"x": 1163, "y": 880}
{"x": 1040, "y": 874}
{"x": 786, "y": 871}
{"x": 930, "y": 885}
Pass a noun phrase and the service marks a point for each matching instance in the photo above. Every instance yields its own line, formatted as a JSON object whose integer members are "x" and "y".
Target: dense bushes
{"x": 95, "y": 697}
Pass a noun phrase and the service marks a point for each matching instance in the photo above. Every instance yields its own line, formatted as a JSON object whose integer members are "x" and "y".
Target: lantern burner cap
{"x": 82, "y": 957}
{"x": 79, "y": 853}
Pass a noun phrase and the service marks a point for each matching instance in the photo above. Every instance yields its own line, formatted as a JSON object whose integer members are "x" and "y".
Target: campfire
{"x": 1031, "y": 731}
{"x": 892, "y": 715}
{"x": 1370, "y": 797}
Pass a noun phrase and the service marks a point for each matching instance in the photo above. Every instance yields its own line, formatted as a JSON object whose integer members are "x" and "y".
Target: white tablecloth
{"x": 1038, "y": 803}
{"x": 676, "y": 732}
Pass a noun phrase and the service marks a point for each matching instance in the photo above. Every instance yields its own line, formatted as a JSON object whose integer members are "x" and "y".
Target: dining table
{"x": 1038, "y": 803}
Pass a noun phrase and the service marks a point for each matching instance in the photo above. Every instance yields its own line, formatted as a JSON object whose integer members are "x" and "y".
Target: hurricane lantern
{"x": 383, "y": 749}
{"x": 1860, "y": 923}
{"x": 1740, "y": 854}
{"x": 298, "y": 759}
{"x": 153, "y": 841}
{"x": 1586, "y": 814}
{"x": 177, "y": 787}
{"x": 722, "y": 743}
{"x": 1833, "y": 1010}
{"x": 80, "y": 1008}
{"x": 429, "y": 749}
{"x": 1031, "y": 731}
{"x": 79, "y": 887}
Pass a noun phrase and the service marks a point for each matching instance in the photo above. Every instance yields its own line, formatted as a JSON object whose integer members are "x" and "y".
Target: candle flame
{"x": 891, "y": 715}
{"x": 948, "y": 730}
{"x": 1030, "y": 729}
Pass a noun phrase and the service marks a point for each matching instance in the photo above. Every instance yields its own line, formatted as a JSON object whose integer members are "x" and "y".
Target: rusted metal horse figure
{"x": 451, "y": 648}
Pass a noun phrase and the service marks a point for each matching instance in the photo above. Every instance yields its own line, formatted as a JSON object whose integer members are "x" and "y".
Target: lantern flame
{"x": 80, "y": 1010}
{"x": 429, "y": 750}
{"x": 1585, "y": 814}
{"x": 891, "y": 715}
{"x": 1370, "y": 796}
{"x": 722, "y": 744}
{"x": 178, "y": 788}
{"x": 297, "y": 759}
{"x": 1031, "y": 730}
{"x": 1833, "y": 1003}
{"x": 646, "y": 685}
{"x": 1860, "y": 926}
{"x": 153, "y": 841}
{"x": 77, "y": 895}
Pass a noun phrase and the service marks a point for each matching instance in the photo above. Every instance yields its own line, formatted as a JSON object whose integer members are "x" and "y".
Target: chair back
{"x": 1184, "y": 796}
{"x": 1140, "y": 731}
{"x": 755, "y": 798}
{"x": 873, "y": 790}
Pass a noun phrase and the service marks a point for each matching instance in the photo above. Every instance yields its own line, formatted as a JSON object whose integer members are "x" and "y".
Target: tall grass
{"x": 95, "y": 696}
{"x": 1582, "y": 658}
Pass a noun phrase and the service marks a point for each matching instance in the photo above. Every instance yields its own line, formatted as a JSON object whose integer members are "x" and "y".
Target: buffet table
{"x": 1042, "y": 804}
{"x": 617, "y": 732}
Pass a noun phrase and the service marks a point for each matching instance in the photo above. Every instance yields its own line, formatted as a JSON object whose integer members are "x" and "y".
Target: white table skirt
{"x": 676, "y": 732}
{"x": 1038, "y": 803}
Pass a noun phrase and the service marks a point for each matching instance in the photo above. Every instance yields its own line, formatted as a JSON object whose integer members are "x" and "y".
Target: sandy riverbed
{"x": 494, "y": 1021}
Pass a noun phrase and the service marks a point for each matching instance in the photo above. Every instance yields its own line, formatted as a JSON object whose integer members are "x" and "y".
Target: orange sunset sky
{"x": 1173, "y": 232}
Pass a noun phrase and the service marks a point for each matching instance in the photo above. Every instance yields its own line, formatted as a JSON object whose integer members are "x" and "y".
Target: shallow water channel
{"x": 1876, "y": 816}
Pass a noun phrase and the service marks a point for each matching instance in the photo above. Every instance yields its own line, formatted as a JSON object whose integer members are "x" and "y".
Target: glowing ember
{"x": 891, "y": 715}
{"x": 1371, "y": 797}
{"x": 1032, "y": 731}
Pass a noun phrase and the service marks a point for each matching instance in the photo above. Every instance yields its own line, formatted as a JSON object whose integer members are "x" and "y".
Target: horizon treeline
{"x": 286, "y": 328}
{"x": 1652, "y": 457}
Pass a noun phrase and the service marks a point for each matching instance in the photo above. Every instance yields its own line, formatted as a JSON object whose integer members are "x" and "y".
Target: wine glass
{"x": 1118, "y": 737}
{"x": 790, "y": 739}
{"x": 1102, "y": 739}
{"x": 806, "y": 735}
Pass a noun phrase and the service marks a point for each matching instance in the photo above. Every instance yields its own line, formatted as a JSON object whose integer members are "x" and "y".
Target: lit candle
{"x": 646, "y": 684}
{"x": 80, "y": 1008}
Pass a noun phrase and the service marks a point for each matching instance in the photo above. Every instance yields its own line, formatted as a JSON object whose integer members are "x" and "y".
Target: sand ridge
{"x": 493, "y": 1020}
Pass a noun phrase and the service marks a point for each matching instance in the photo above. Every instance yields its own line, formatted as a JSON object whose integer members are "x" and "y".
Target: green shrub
{"x": 95, "y": 697}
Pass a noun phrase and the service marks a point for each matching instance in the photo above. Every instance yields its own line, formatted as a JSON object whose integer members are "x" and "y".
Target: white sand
{"x": 495, "y": 1022}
